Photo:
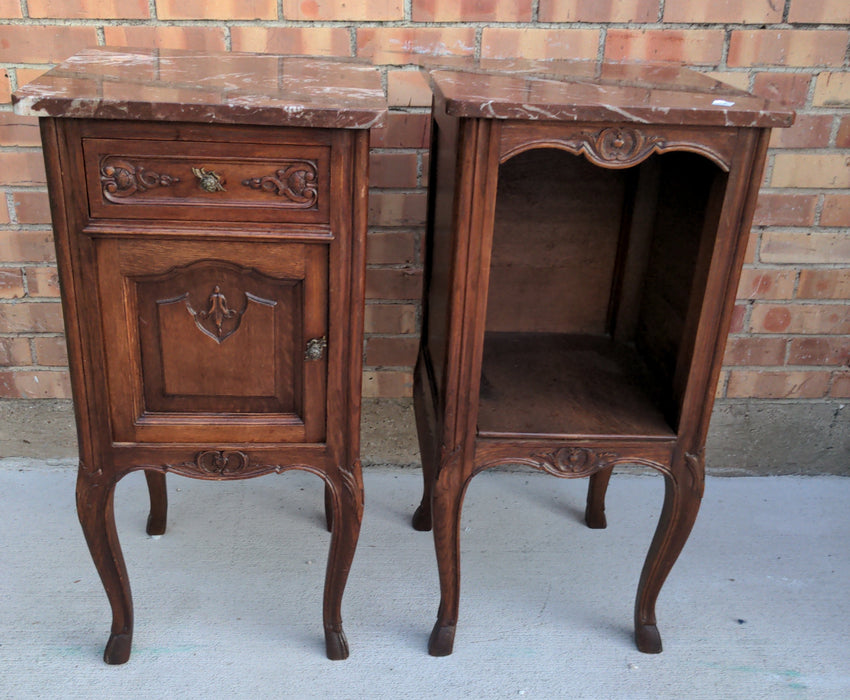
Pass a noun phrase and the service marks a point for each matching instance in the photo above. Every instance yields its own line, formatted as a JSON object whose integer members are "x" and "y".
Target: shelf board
{"x": 558, "y": 385}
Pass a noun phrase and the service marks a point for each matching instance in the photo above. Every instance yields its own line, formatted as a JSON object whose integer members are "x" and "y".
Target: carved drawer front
{"x": 202, "y": 181}
{"x": 213, "y": 339}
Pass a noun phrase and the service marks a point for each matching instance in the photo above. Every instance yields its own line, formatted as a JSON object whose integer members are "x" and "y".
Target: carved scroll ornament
{"x": 121, "y": 178}
{"x": 296, "y": 182}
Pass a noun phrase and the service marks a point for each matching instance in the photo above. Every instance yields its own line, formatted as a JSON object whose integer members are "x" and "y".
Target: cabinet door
{"x": 214, "y": 341}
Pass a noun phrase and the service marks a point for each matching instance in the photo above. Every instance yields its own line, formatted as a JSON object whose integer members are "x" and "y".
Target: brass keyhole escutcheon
{"x": 316, "y": 348}
{"x": 208, "y": 180}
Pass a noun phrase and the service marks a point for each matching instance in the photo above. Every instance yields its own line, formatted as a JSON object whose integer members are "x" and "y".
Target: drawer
{"x": 206, "y": 181}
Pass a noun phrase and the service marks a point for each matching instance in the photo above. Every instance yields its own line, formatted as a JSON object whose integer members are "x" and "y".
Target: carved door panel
{"x": 214, "y": 342}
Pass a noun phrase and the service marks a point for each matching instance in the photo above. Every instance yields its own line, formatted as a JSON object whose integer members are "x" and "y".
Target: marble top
{"x": 235, "y": 88}
{"x": 595, "y": 91}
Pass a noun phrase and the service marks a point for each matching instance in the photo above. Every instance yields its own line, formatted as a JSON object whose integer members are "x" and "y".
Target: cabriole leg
{"x": 346, "y": 496}
{"x": 159, "y": 502}
{"x": 682, "y": 495}
{"x": 594, "y": 514}
{"x": 446, "y": 504}
{"x": 95, "y": 494}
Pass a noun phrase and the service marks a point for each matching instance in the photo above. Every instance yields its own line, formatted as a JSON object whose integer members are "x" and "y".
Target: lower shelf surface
{"x": 557, "y": 384}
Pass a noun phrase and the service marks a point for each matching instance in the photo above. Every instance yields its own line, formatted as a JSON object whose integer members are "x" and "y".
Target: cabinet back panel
{"x": 558, "y": 220}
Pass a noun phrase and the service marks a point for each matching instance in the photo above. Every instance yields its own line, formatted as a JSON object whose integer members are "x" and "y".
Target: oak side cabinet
{"x": 587, "y": 228}
{"x": 209, "y": 212}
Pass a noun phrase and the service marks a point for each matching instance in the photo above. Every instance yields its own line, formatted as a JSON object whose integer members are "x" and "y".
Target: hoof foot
{"x": 648, "y": 639}
{"x": 595, "y": 521}
{"x": 442, "y": 640}
{"x": 118, "y": 648}
{"x": 422, "y": 519}
{"x": 156, "y": 526}
{"x": 336, "y": 644}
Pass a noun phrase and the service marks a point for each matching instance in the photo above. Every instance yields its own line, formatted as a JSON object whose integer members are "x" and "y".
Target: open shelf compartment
{"x": 595, "y": 286}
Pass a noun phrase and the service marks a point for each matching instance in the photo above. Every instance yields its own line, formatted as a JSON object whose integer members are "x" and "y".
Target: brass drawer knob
{"x": 208, "y": 180}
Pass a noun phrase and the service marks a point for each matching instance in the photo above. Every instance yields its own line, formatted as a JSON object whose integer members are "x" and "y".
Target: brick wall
{"x": 791, "y": 333}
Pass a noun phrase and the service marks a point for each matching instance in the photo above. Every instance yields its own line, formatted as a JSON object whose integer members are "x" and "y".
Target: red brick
{"x": 397, "y": 209}
{"x": 44, "y": 384}
{"x": 754, "y": 351}
{"x": 220, "y": 9}
{"x": 403, "y": 130}
{"x": 785, "y": 88}
{"x": 43, "y": 44}
{"x": 806, "y": 319}
{"x": 399, "y": 45}
{"x": 787, "y": 47}
{"x": 785, "y": 210}
{"x": 4, "y": 210}
{"x": 42, "y": 281}
{"x": 343, "y": 10}
{"x": 819, "y": 351}
{"x": 26, "y": 246}
{"x": 766, "y": 284}
{"x": 390, "y": 318}
{"x": 832, "y": 89}
{"x": 11, "y": 283}
{"x": 763, "y": 384}
{"x": 393, "y": 170}
{"x": 41, "y": 317}
{"x": 387, "y": 384}
{"x": 472, "y": 11}
{"x": 391, "y": 283}
{"x": 89, "y": 9}
{"x": 166, "y": 37}
{"x": 10, "y": 9}
{"x": 51, "y": 351}
{"x": 827, "y": 170}
{"x": 840, "y": 385}
{"x": 789, "y": 247}
{"x": 395, "y": 248}
{"x": 836, "y": 210}
{"x": 5, "y": 86}
{"x": 842, "y": 138}
{"x": 727, "y": 11}
{"x": 18, "y": 131}
{"x": 497, "y": 42}
{"x": 311, "y": 41}
{"x": 15, "y": 352}
{"x": 824, "y": 284}
{"x": 596, "y": 11}
{"x": 391, "y": 352}
{"x": 808, "y": 131}
{"x": 819, "y": 11}
{"x": 31, "y": 207}
{"x": 407, "y": 88}
{"x": 702, "y": 46}
{"x": 22, "y": 168}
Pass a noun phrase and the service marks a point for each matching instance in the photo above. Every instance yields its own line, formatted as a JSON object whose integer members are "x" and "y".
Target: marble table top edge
{"x": 347, "y": 92}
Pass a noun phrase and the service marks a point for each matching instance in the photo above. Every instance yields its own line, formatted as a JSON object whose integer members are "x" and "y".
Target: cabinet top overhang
{"x": 195, "y": 86}
{"x": 595, "y": 91}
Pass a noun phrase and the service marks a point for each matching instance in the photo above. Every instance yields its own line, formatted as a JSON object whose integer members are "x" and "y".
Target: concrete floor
{"x": 228, "y": 602}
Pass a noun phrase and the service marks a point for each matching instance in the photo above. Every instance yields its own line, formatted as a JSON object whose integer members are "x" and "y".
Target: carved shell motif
{"x": 620, "y": 145}
{"x": 221, "y": 462}
{"x": 575, "y": 461}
